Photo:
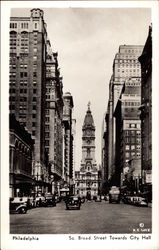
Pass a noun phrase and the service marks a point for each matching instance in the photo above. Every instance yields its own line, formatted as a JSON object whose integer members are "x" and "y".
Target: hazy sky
{"x": 87, "y": 40}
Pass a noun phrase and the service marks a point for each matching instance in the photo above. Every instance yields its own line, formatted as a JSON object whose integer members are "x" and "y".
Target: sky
{"x": 87, "y": 40}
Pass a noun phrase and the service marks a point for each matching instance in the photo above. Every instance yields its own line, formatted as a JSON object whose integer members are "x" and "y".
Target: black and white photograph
{"x": 79, "y": 125}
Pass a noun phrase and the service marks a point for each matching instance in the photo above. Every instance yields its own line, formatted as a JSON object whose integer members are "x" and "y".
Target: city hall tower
{"x": 86, "y": 180}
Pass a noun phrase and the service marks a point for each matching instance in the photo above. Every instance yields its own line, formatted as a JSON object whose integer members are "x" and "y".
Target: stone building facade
{"x": 67, "y": 142}
{"x": 86, "y": 180}
{"x": 53, "y": 121}
{"x": 146, "y": 111}
{"x": 21, "y": 145}
{"x": 128, "y": 135}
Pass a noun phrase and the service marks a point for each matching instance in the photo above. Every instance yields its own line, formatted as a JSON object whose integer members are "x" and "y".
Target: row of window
{"x": 132, "y": 133}
{"x": 23, "y": 74}
{"x": 24, "y": 25}
{"x": 22, "y": 83}
{"x": 132, "y": 147}
{"x": 129, "y": 70}
{"x": 132, "y": 140}
{"x": 132, "y": 154}
{"x": 127, "y": 60}
{"x": 22, "y": 99}
{"x": 133, "y": 84}
{"x": 131, "y": 104}
{"x": 128, "y": 65}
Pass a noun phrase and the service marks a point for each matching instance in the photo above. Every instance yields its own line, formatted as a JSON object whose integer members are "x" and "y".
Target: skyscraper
{"x": 125, "y": 65}
{"x": 28, "y": 45}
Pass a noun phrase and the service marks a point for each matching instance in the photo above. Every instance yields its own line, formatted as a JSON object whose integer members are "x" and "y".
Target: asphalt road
{"x": 92, "y": 218}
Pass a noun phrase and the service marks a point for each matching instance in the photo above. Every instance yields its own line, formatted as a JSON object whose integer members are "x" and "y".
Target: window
{"x": 47, "y": 134}
{"x": 34, "y": 107}
{"x": 13, "y": 25}
{"x": 138, "y": 132}
{"x": 127, "y": 154}
{"x": 132, "y": 147}
{"x": 47, "y": 119}
{"x": 36, "y": 25}
{"x": 127, "y": 147}
{"x": 47, "y": 143}
{"x": 132, "y": 154}
{"x": 34, "y": 74}
{"x": 35, "y": 58}
{"x": 132, "y": 125}
{"x": 34, "y": 99}
{"x": 33, "y": 124}
{"x": 138, "y": 140}
{"x": 132, "y": 132}
{"x": 34, "y": 115}
{"x": 33, "y": 132}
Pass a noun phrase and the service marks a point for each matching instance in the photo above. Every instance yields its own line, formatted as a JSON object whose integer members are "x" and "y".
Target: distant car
{"x": 40, "y": 201}
{"x": 18, "y": 205}
{"x": 98, "y": 198}
{"x": 50, "y": 200}
{"x": 73, "y": 202}
{"x": 140, "y": 201}
{"x": 114, "y": 194}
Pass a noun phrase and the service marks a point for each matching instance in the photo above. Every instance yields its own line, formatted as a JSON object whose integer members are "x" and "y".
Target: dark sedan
{"x": 73, "y": 202}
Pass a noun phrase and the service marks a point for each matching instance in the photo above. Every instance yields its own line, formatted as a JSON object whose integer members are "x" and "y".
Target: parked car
{"x": 18, "y": 205}
{"x": 40, "y": 201}
{"x": 140, "y": 201}
{"x": 73, "y": 202}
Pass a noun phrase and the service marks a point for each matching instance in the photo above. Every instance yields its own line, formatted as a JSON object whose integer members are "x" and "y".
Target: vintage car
{"x": 50, "y": 200}
{"x": 73, "y": 202}
{"x": 140, "y": 201}
{"x": 18, "y": 205}
{"x": 114, "y": 195}
{"x": 40, "y": 201}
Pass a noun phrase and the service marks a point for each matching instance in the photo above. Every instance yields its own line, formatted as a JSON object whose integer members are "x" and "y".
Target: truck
{"x": 114, "y": 194}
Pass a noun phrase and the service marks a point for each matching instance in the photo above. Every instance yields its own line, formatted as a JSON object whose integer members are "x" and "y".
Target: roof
{"x": 88, "y": 120}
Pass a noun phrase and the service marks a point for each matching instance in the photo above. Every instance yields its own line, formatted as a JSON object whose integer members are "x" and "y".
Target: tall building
{"x": 68, "y": 140}
{"x": 128, "y": 135}
{"x": 28, "y": 39}
{"x": 125, "y": 65}
{"x": 86, "y": 180}
{"x": 146, "y": 111}
{"x": 104, "y": 156}
{"x": 53, "y": 121}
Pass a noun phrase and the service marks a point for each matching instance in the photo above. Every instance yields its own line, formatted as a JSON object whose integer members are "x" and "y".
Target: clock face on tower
{"x": 88, "y": 132}
{"x": 88, "y": 141}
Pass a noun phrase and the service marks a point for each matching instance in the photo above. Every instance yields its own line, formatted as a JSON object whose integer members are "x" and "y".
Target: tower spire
{"x": 89, "y": 104}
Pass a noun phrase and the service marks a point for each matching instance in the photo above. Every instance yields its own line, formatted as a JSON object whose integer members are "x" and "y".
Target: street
{"x": 92, "y": 218}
